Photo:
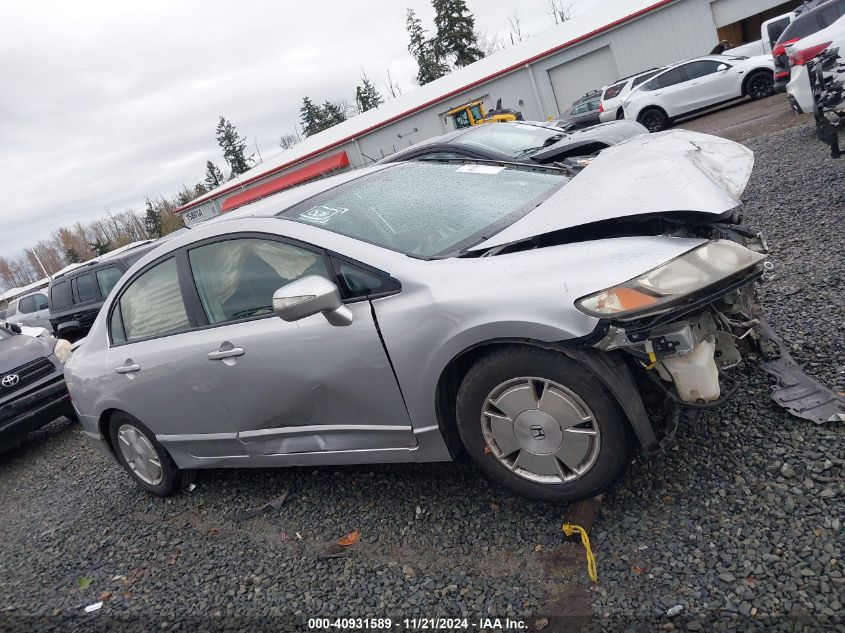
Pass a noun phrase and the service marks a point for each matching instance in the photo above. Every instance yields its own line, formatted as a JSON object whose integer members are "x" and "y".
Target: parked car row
{"x": 409, "y": 311}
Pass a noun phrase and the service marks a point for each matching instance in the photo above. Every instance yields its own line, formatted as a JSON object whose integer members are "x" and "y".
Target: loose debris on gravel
{"x": 739, "y": 520}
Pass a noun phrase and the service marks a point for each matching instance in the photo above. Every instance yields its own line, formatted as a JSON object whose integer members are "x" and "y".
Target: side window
{"x": 40, "y": 301}
{"x": 151, "y": 306}
{"x": 645, "y": 77}
{"x": 236, "y": 278}
{"x": 670, "y": 78}
{"x": 701, "y": 68}
{"x": 85, "y": 289}
{"x": 461, "y": 120}
{"x": 60, "y": 296}
{"x": 831, "y": 14}
{"x": 357, "y": 282}
{"x": 27, "y": 305}
{"x": 107, "y": 278}
{"x": 476, "y": 112}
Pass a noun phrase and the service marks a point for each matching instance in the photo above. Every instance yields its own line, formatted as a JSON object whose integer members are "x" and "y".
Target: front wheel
{"x": 542, "y": 425}
{"x": 654, "y": 120}
{"x": 143, "y": 457}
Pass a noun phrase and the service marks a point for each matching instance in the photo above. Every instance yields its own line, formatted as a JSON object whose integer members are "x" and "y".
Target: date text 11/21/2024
{"x": 415, "y": 624}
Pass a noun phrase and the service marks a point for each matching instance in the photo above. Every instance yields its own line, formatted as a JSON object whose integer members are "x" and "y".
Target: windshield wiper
{"x": 547, "y": 143}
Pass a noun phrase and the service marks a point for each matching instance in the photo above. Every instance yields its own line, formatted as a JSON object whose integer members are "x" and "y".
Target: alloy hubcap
{"x": 652, "y": 122}
{"x": 540, "y": 430}
{"x": 760, "y": 87}
{"x": 140, "y": 454}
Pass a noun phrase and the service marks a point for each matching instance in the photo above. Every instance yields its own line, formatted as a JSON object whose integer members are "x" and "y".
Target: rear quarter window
{"x": 614, "y": 90}
{"x": 60, "y": 296}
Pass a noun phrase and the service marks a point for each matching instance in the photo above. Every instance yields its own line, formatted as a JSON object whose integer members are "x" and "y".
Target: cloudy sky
{"x": 104, "y": 103}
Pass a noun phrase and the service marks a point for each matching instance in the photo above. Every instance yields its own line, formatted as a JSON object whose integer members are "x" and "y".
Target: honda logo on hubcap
{"x": 10, "y": 381}
{"x": 537, "y": 432}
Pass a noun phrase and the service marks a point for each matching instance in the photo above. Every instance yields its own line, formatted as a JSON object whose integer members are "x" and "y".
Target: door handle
{"x": 226, "y": 353}
{"x": 128, "y": 368}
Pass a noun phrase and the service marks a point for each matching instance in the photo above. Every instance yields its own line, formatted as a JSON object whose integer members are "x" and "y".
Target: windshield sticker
{"x": 480, "y": 169}
{"x": 322, "y": 214}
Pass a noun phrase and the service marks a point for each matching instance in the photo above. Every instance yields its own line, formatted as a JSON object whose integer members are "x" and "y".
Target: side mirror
{"x": 722, "y": 68}
{"x": 308, "y": 296}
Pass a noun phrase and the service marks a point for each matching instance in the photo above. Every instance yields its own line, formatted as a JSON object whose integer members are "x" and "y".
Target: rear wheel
{"x": 760, "y": 85}
{"x": 654, "y": 119}
{"x": 143, "y": 457}
{"x": 541, "y": 425}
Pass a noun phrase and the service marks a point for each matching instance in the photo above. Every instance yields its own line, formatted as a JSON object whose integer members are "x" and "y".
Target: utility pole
{"x": 38, "y": 259}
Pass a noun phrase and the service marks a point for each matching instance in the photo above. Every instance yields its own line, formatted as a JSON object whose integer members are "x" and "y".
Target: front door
{"x": 299, "y": 387}
{"x": 710, "y": 84}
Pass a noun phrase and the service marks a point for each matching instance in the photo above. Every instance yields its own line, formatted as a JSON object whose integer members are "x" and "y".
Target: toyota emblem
{"x": 10, "y": 381}
{"x": 537, "y": 432}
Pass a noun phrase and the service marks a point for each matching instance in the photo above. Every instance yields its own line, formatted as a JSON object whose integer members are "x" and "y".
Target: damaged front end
{"x": 683, "y": 334}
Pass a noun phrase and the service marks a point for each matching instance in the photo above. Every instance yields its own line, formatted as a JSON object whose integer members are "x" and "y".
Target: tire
{"x": 759, "y": 85}
{"x": 164, "y": 480}
{"x": 559, "y": 385}
{"x": 654, "y": 119}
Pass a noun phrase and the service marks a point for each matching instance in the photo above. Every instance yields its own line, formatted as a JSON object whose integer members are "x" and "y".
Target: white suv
{"x": 696, "y": 85}
{"x": 810, "y": 47}
{"x": 614, "y": 94}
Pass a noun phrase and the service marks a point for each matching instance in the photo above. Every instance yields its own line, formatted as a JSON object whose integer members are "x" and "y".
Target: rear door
{"x": 300, "y": 387}
{"x": 154, "y": 370}
{"x": 673, "y": 91}
{"x": 86, "y": 299}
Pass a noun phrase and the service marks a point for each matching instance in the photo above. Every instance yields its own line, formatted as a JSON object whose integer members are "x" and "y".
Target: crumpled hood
{"x": 670, "y": 171}
{"x": 610, "y": 133}
{"x": 21, "y": 349}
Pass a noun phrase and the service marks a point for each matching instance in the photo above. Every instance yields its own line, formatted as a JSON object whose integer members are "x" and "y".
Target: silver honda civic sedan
{"x": 412, "y": 311}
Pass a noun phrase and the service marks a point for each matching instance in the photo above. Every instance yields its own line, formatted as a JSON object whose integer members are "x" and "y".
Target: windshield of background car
{"x": 512, "y": 139}
{"x": 427, "y": 209}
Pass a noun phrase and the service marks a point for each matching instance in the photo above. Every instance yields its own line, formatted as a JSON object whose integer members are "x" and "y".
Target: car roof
{"x": 103, "y": 261}
{"x": 810, "y": 15}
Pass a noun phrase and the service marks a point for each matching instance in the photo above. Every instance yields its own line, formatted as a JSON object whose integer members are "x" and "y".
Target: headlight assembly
{"x": 62, "y": 350}
{"x": 655, "y": 290}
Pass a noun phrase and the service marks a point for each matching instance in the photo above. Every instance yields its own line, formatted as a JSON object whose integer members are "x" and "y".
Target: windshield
{"x": 428, "y": 209}
{"x": 511, "y": 139}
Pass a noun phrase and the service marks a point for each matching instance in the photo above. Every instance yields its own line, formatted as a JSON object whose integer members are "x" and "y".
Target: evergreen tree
{"x": 233, "y": 146}
{"x": 333, "y": 114}
{"x": 100, "y": 247}
{"x": 152, "y": 219}
{"x": 430, "y": 65}
{"x": 311, "y": 117}
{"x": 213, "y": 176}
{"x": 367, "y": 96}
{"x": 455, "y": 32}
{"x": 72, "y": 256}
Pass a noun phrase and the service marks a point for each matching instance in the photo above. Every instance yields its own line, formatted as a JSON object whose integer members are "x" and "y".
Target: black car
{"x": 521, "y": 142}
{"x": 32, "y": 383}
{"x": 819, "y": 17}
{"x": 75, "y": 297}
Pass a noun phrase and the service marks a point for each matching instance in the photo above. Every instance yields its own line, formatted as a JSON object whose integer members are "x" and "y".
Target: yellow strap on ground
{"x": 570, "y": 529}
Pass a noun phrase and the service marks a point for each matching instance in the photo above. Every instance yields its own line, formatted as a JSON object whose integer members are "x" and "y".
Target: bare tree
{"x": 489, "y": 44}
{"x": 392, "y": 87}
{"x": 560, "y": 13}
{"x": 290, "y": 139}
{"x": 516, "y": 34}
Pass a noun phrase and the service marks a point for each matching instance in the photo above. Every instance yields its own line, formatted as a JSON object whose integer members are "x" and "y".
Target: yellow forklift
{"x": 472, "y": 113}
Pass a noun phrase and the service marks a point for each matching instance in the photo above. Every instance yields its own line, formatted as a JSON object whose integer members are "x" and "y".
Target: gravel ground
{"x": 741, "y": 520}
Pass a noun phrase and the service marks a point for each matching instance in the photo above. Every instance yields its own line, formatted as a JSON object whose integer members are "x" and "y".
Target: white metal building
{"x": 540, "y": 77}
